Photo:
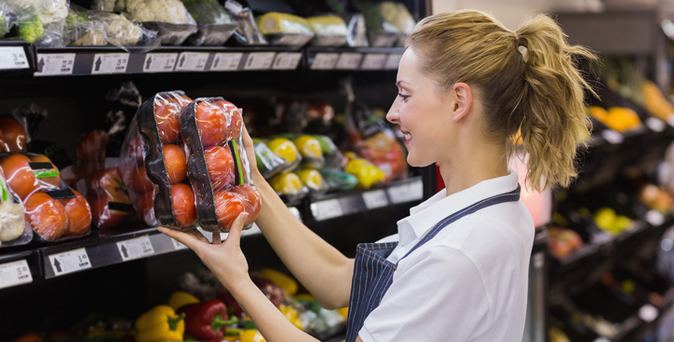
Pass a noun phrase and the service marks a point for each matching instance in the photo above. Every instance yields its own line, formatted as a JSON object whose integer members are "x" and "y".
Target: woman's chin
{"x": 418, "y": 162}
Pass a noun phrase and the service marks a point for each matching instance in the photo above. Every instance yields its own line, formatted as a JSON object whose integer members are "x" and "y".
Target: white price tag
{"x": 375, "y": 199}
{"x": 70, "y": 261}
{"x": 55, "y": 64}
{"x": 177, "y": 245}
{"x": 612, "y": 136}
{"x": 373, "y": 61}
{"x": 13, "y": 57}
{"x": 656, "y": 125}
{"x": 295, "y": 213}
{"x": 109, "y": 63}
{"x": 160, "y": 62}
{"x": 324, "y": 61}
{"x": 327, "y": 209}
{"x": 259, "y": 60}
{"x": 15, "y": 273}
{"x": 226, "y": 61}
{"x": 349, "y": 61}
{"x": 655, "y": 218}
{"x": 406, "y": 192}
{"x": 392, "y": 61}
{"x": 192, "y": 61}
{"x": 287, "y": 60}
{"x": 135, "y": 248}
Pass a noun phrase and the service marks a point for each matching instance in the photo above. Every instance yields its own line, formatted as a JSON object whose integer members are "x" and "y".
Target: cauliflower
{"x": 12, "y": 222}
{"x": 120, "y": 31}
{"x": 164, "y": 11}
{"x": 49, "y": 10}
{"x": 31, "y": 30}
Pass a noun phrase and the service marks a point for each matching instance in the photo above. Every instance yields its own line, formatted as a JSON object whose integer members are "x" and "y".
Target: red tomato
{"x": 46, "y": 215}
{"x": 228, "y": 206}
{"x": 167, "y": 116}
{"x": 234, "y": 119}
{"x": 251, "y": 201}
{"x": 182, "y": 203}
{"x": 211, "y": 123}
{"x": 51, "y": 181}
{"x": 175, "y": 163}
{"x": 79, "y": 214}
{"x": 220, "y": 165}
{"x": 12, "y": 135}
{"x": 19, "y": 175}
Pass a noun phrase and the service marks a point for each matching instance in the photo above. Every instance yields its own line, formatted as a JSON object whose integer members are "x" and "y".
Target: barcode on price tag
{"x": 327, "y": 209}
{"x": 226, "y": 61}
{"x": 406, "y": 192}
{"x": 373, "y": 61}
{"x": 324, "y": 61}
{"x": 13, "y": 57}
{"x": 55, "y": 64}
{"x": 177, "y": 245}
{"x": 70, "y": 261}
{"x": 295, "y": 213}
{"x": 259, "y": 60}
{"x": 160, "y": 62}
{"x": 192, "y": 61}
{"x": 392, "y": 61}
{"x": 287, "y": 60}
{"x": 15, "y": 273}
{"x": 655, "y": 125}
{"x": 375, "y": 199}
{"x": 135, "y": 248}
{"x": 109, "y": 63}
{"x": 612, "y": 136}
{"x": 349, "y": 61}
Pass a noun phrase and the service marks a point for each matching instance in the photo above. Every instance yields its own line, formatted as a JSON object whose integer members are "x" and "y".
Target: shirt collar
{"x": 425, "y": 215}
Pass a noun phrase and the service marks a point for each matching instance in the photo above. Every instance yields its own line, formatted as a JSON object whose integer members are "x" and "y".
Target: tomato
{"x": 175, "y": 163}
{"x": 78, "y": 213}
{"x": 54, "y": 181}
{"x": 211, "y": 123}
{"x": 19, "y": 175}
{"x": 167, "y": 116}
{"x": 220, "y": 165}
{"x": 234, "y": 119}
{"x": 182, "y": 203}
{"x": 228, "y": 206}
{"x": 46, "y": 215}
{"x": 12, "y": 135}
{"x": 251, "y": 201}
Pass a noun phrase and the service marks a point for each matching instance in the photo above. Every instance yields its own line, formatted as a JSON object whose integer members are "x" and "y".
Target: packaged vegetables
{"x": 388, "y": 23}
{"x": 13, "y": 134}
{"x": 329, "y": 30}
{"x": 13, "y": 227}
{"x": 86, "y": 28}
{"x": 215, "y": 24}
{"x": 285, "y": 29}
{"x": 169, "y": 18}
{"x": 247, "y": 32}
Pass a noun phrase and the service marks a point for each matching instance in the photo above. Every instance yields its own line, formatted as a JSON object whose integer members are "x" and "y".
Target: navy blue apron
{"x": 373, "y": 274}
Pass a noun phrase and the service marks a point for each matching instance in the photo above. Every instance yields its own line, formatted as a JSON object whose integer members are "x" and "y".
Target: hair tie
{"x": 523, "y": 51}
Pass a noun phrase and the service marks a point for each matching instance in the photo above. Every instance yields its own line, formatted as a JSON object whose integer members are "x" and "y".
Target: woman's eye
{"x": 404, "y": 97}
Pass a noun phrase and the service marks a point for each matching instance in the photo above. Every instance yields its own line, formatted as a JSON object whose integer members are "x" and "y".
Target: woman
{"x": 457, "y": 269}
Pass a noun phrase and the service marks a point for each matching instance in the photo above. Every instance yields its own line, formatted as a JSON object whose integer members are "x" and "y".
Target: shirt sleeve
{"x": 437, "y": 295}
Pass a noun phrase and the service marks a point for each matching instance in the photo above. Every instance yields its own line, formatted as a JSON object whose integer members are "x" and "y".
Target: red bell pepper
{"x": 206, "y": 321}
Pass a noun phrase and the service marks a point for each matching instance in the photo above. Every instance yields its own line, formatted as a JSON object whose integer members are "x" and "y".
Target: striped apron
{"x": 373, "y": 274}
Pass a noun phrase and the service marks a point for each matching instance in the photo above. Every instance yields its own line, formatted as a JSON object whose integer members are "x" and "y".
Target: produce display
{"x": 13, "y": 135}
{"x": 215, "y": 24}
{"x": 563, "y": 242}
{"x": 285, "y": 29}
{"x": 621, "y": 119}
{"x": 329, "y": 30}
{"x": 388, "y": 23}
{"x": 13, "y": 227}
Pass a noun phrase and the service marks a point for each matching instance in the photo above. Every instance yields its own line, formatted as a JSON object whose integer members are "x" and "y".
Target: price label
{"x": 55, "y": 64}
{"x": 13, "y": 57}
{"x": 226, "y": 61}
{"x": 327, "y": 209}
{"x": 375, "y": 199}
{"x": 324, "y": 61}
{"x": 259, "y": 61}
{"x": 109, "y": 63}
{"x": 295, "y": 213}
{"x": 135, "y": 248}
{"x": 392, "y": 61}
{"x": 349, "y": 61}
{"x": 655, "y": 125}
{"x": 406, "y": 192}
{"x": 655, "y": 218}
{"x": 177, "y": 245}
{"x": 15, "y": 273}
{"x": 373, "y": 61}
{"x": 192, "y": 61}
{"x": 612, "y": 136}
{"x": 287, "y": 60}
{"x": 160, "y": 62}
{"x": 70, "y": 261}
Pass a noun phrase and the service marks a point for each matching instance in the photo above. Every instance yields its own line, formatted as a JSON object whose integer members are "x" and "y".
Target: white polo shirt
{"x": 468, "y": 283}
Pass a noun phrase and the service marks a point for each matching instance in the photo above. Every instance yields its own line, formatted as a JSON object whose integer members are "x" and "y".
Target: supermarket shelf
{"x": 81, "y": 61}
{"x": 16, "y": 57}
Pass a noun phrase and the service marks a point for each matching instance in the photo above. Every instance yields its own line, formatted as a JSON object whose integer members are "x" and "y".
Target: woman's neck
{"x": 472, "y": 166}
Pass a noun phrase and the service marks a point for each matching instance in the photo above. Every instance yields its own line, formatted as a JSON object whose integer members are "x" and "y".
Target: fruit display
{"x": 311, "y": 150}
{"x": 215, "y": 24}
{"x": 563, "y": 242}
{"x": 621, "y": 119}
{"x": 656, "y": 102}
{"x": 329, "y": 30}
{"x": 365, "y": 172}
{"x": 184, "y": 163}
{"x": 287, "y": 150}
{"x": 289, "y": 185}
{"x": 285, "y": 29}
{"x": 13, "y": 227}
{"x": 657, "y": 199}
{"x": 611, "y": 222}
{"x": 313, "y": 180}
{"x": 13, "y": 135}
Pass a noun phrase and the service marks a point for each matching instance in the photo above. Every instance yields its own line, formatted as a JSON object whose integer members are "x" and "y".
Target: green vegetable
{"x": 208, "y": 12}
{"x": 31, "y": 30}
{"x": 4, "y": 28}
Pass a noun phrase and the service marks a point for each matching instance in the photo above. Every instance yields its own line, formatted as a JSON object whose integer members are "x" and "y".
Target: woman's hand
{"x": 225, "y": 260}
{"x": 249, "y": 146}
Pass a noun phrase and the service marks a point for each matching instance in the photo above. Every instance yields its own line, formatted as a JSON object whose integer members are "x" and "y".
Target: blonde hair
{"x": 528, "y": 79}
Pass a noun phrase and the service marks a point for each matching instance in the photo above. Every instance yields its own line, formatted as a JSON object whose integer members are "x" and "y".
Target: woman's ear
{"x": 463, "y": 100}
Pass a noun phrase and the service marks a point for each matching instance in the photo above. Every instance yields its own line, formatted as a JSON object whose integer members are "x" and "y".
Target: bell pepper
{"x": 251, "y": 335}
{"x": 288, "y": 284}
{"x": 206, "y": 321}
{"x": 292, "y": 316}
{"x": 160, "y": 324}
{"x": 180, "y": 298}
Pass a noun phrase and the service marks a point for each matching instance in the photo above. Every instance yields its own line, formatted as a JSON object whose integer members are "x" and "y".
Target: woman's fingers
{"x": 234, "y": 235}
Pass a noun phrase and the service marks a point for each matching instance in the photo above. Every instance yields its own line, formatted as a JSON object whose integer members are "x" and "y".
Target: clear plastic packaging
{"x": 169, "y": 18}
{"x": 388, "y": 23}
{"x": 14, "y": 230}
{"x": 310, "y": 149}
{"x": 92, "y": 28}
{"x": 339, "y": 180}
{"x": 41, "y": 22}
{"x": 357, "y": 36}
{"x": 215, "y": 24}
{"x": 329, "y": 30}
{"x": 7, "y": 19}
{"x": 313, "y": 180}
{"x": 247, "y": 32}
{"x": 268, "y": 162}
{"x": 289, "y": 186}
{"x": 286, "y": 150}
{"x": 285, "y": 29}
{"x": 53, "y": 210}
{"x": 13, "y": 134}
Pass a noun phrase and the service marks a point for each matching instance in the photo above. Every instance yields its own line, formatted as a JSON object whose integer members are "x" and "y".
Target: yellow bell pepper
{"x": 251, "y": 335}
{"x": 160, "y": 324}
{"x": 181, "y": 298}
{"x": 292, "y": 316}
{"x": 288, "y": 284}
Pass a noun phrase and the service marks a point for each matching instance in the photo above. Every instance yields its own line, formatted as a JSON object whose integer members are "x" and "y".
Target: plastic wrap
{"x": 313, "y": 180}
{"x": 289, "y": 186}
{"x": 329, "y": 30}
{"x": 339, "y": 180}
{"x": 268, "y": 162}
{"x": 388, "y": 23}
{"x": 169, "y": 18}
{"x": 357, "y": 33}
{"x": 285, "y": 29}
{"x": 334, "y": 159}
{"x": 310, "y": 149}
{"x": 53, "y": 210}
{"x": 286, "y": 150}
{"x": 13, "y": 134}
{"x": 215, "y": 24}
{"x": 247, "y": 32}
{"x": 367, "y": 174}
{"x": 7, "y": 19}
{"x": 41, "y": 22}
{"x": 14, "y": 230}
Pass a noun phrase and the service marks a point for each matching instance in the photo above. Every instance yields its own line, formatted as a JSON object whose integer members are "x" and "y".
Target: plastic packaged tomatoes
{"x": 185, "y": 166}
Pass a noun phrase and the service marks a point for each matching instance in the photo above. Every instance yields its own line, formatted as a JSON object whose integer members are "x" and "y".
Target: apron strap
{"x": 512, "y": 196}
